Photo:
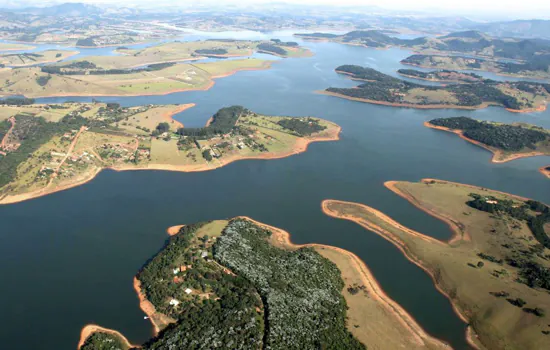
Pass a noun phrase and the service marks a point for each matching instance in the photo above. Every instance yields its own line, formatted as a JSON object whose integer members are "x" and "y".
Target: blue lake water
{"x": 68, "y": 259}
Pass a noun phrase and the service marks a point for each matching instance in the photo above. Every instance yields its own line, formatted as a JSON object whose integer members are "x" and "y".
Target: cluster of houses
{"x": 182, "y": 268}
{"x": 117, "y": 151}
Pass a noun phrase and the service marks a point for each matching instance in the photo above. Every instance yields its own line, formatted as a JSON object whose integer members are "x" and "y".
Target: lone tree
{"x": 163, "y": 127}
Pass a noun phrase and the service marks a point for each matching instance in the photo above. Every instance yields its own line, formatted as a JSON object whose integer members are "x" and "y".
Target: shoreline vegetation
{"x": 248, "y": 136}
{"x": 471, "y": 93}
{"x": 480, "y": 63}
{"x": 90, "y": 329}
{"x": 373, "y": 318}
{"x": 477, "y": 291}
{"x": 520, "y": 140}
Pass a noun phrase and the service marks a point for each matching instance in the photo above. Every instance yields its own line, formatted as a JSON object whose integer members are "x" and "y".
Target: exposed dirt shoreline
{"x": 282, "y": 238}
{"x": 498, "y": 155}
{"x": 374, "y": 290}
{"x": 470, "y": 335}
{"x": 300, "y": 146}
{"x": 541, "y": 108}
{"x": 89, "y": 329}
{"x": 545, "y": 170}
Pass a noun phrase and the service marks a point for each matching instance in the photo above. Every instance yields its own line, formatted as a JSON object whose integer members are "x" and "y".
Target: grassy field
{"x": 368, "y": 319}
{"x": 169, "y": 52}
{"x": 229, "y": 66}
{"x": 25, "y": 81}
{"x": 455, "y": 265}
{"x": 43, "y": 110}
{"x": 151, "y": 118}
{"x": 418, "y": 95}
{"x": 9, "y": 47}
{"x": 23, "y": 59}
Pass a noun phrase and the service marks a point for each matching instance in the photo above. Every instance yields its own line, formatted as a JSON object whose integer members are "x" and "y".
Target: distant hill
{"x": 469, "y": 42}
{"x": 469, "y": 34}
{"x": 67, "y": 9}
{"x": 535, "y": 28}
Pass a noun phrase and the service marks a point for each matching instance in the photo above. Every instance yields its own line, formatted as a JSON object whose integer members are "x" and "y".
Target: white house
{"x": 174, "y": 302}
{"x": 188, "y": 291}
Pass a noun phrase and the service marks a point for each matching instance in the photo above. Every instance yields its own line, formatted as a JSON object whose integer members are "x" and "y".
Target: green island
{"x": 533, "y": 67}
{"x": 241, "y": 284}
{"x": 150, "y": 71}
{"x": 505, "y": 141}
{"x": 495, "y": 269}
{"x": 380, "y": 88}
{"x": 50, "y": 147}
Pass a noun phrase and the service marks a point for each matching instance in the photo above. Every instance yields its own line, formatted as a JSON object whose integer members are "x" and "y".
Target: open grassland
{"x": 172, "y": 52}
{"x": 222, "y": 68}
{"x": 143, "y": 123}
{"x": 29, "y": 59}
{"x": 14, "y": 47}
{"x": 39, "y": 110}
{"x": 472, "y": 268}
{"x": 32, "y": 82}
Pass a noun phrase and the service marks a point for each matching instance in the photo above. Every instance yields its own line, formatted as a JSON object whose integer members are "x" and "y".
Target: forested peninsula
{"x": 505, "y": 141}
{"x": 494, "y": 269}
{"x": 241, "y": 284}
{"x": 380, "y": 88}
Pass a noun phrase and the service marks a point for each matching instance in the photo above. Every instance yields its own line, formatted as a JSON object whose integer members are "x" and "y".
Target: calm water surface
{"x": 68, "y": 259}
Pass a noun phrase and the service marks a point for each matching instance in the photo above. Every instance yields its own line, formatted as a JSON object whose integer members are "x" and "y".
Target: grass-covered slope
{"x": 495, "y": 269}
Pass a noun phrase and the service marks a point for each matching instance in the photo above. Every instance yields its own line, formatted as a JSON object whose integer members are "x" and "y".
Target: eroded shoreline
{"x": 417, "y": 333}
{"x": 282, "y": 239}
{"x": 301, "y": 146}
{"x": 470, "y": 333}
{"x": 498, "y": 155}
{"x": 90, "y": 329}
{"x": 541, "y": 108}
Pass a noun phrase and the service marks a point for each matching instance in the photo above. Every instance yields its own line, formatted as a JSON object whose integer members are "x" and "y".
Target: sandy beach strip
{"x": 90, "y": 329}
{"x": 470, "y": 334}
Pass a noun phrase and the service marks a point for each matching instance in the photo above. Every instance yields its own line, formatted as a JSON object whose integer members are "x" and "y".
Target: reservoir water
{"x": 68, "y": 259}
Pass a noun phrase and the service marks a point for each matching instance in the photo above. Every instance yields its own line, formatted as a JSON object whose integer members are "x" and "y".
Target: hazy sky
{"x": 514, "y": 8}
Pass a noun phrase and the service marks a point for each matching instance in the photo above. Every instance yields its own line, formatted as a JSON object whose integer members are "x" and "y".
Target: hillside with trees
{"x": 500, "y": 136}
{"x": 537, "y": 66}
{"x": 467, "y": 42}
{"x": 258, "y": 296}
{"x": 381, "y": 88}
